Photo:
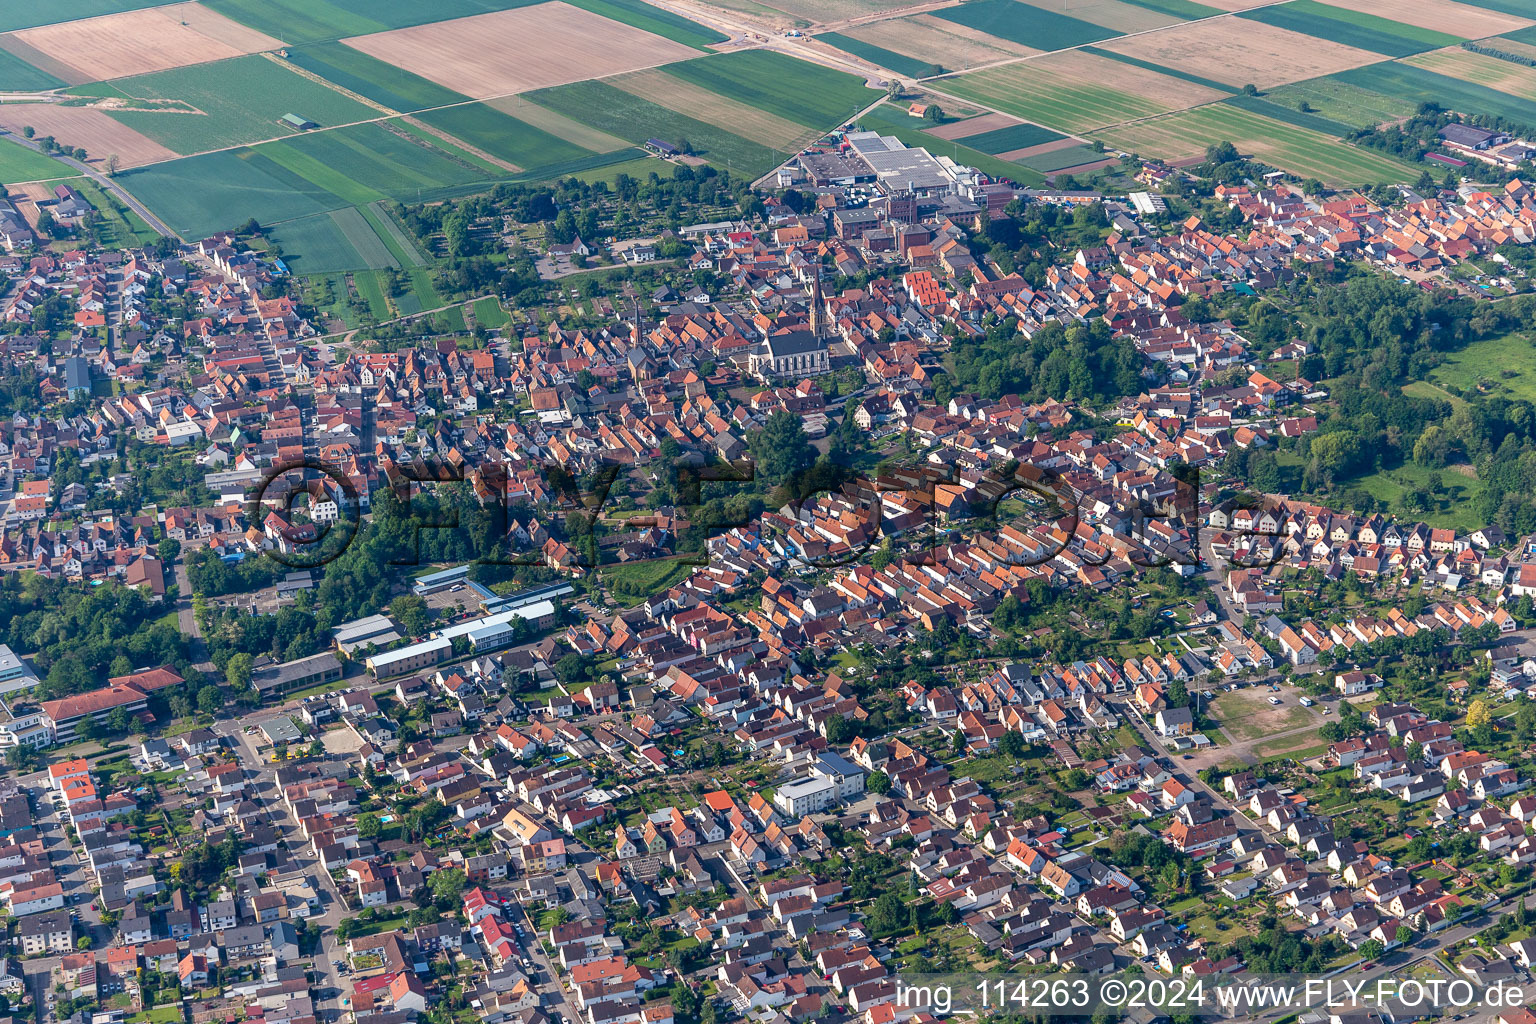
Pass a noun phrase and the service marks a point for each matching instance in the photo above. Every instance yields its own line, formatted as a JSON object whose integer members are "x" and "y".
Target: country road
{"x": 101, "y": 179}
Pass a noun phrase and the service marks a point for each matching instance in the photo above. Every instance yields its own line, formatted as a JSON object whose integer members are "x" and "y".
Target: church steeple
{"x": 817, "y": 326}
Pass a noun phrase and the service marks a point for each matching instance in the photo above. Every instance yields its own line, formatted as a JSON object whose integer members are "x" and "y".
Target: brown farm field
{"x": 555, "y": 44}
{"x": 973, "y": 126}
{"x": 946, "y": 43}
{"x": 1439, "y": 16}
{"x": 139, "y": 42}
{"x": 1503, "y": 75}
{"x": 1239, "y": 51}
{"x": 1043, "y": 148}
{"x": 695, "y": 101}
{"x": 100, "y": 134}
{"x": 1122, "y": 17}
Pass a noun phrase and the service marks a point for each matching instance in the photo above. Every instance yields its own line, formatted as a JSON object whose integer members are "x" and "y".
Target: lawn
{"x": 1340, "y": 101}
{"x": 371, "y": 290}
{"x": 18, "y": 163}
{"x": 1036, "y": 94}
{"x": 640, "y": 168}
{"x": 1024, "y": 24}
{"x": 367, "y": 76}
{"x": 503, "y": 136}
{"x": 120, "y": 226}
{"x": 1416, "y": 85}
{"x": 911, "y": 67}
{"x": 490, "y": 315}
{"x": 1004, "y": 140}
{"x": 241, "y": 101}
{"x": 1458, "y": 500}
{"x": 1297, "y": 150}
{"x": 1504, "y": 366}
{"x": 633, "y": 582}
{"x": 1248, "y": 715}
{"x": 795, "y": 90}
{"x": 625, "y": 116}
{"x": 1301, "y": 746}
{"x": 1352, "y": 28}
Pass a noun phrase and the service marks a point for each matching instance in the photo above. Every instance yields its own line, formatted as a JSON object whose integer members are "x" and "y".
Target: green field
{"x": 241, "y": 100}
{"x": 1005, "y": 140}
{"x": 639, "y": 168}
{"x": 383, "y": 83}
{"x": 1186, "y": 9}
{"x": 387, "y": 228}
{"x": 1060, "y": 159}
{"x": 313, "y": 21}
{"x": 18, "y": 163}
{"x": 16, "y": 15}
{"x": 1519, "y": 8}
{"x": 1146, "y": 65}
{"x": 310, "y": 21}
{"x": 329, "y": 242}
{"x": 890, "y": 119}
{"x": 1026, "y": 25}
{"x": 1339, "y": 101}
{"x": 1039, "y": 96}
{"x": 1416, "y": 85}
{"x": 16, "y": 75}
{"x": 1504, "y": 366}
{"x": 490, "y": 315}
{"x": 503, "y": 136}
{"x": 653, "y": 19}
{"x": 900, "y": 63}
{"x": 1297, "y": 150}
{"x": 1459, "y": 496}
{"x": 371, "y": 290}
{"x": 1291, "y": 115}
{"x": 795, "y": 90}
{"x": 1352, "y": 28}
{"x": 620, "y": 114}
{"x": 300, "y": 177}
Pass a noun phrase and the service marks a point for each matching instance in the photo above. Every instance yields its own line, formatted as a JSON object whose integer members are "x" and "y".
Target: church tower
{"x": 818, "y": 327}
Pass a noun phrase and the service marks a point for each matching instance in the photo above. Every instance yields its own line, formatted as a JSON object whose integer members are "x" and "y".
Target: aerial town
{"x": 686, "y": 595}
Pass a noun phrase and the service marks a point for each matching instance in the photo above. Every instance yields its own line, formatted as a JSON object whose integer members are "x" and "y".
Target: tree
{"x": 878, "y": 783}
{"x": 887, "y": 914}
{"x": 1371, "y": 949}
{"x": 210, "y": 699}
{"x": 368, "y": 826}
{"x": 1479, "y": 714}
{"x": 238, "y": 671}
{"x": 1250, "y": 89}
{"x": 781, "y": 448}
{"x": 934, "y": 113}
{"x": 447, "y": 884}
{"x": 412, "y": 613}
{"x": 112, "y": 165}
{"x": 83, "y": 942}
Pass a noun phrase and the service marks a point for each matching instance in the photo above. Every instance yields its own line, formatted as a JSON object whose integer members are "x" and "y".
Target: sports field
{"x": 1417, "y": 85}
{"x": 795, "y": 90}
{"x": 240, "y": 101}
{"x": 1311, "y": 154}
{"x": 382, "y": 83}
{"x": 1025, "y": 24}
{"x": 1063, "y": 91}
{"x": 503, "y": 136}
{"x": 1352, "y": 28}
{"x": 616, "y": 112}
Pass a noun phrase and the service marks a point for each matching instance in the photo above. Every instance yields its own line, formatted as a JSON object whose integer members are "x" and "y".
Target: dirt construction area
{"x": 1239, "y": 52}
{"x": 553, "y": 44}
{"x": 138, "y": 42}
